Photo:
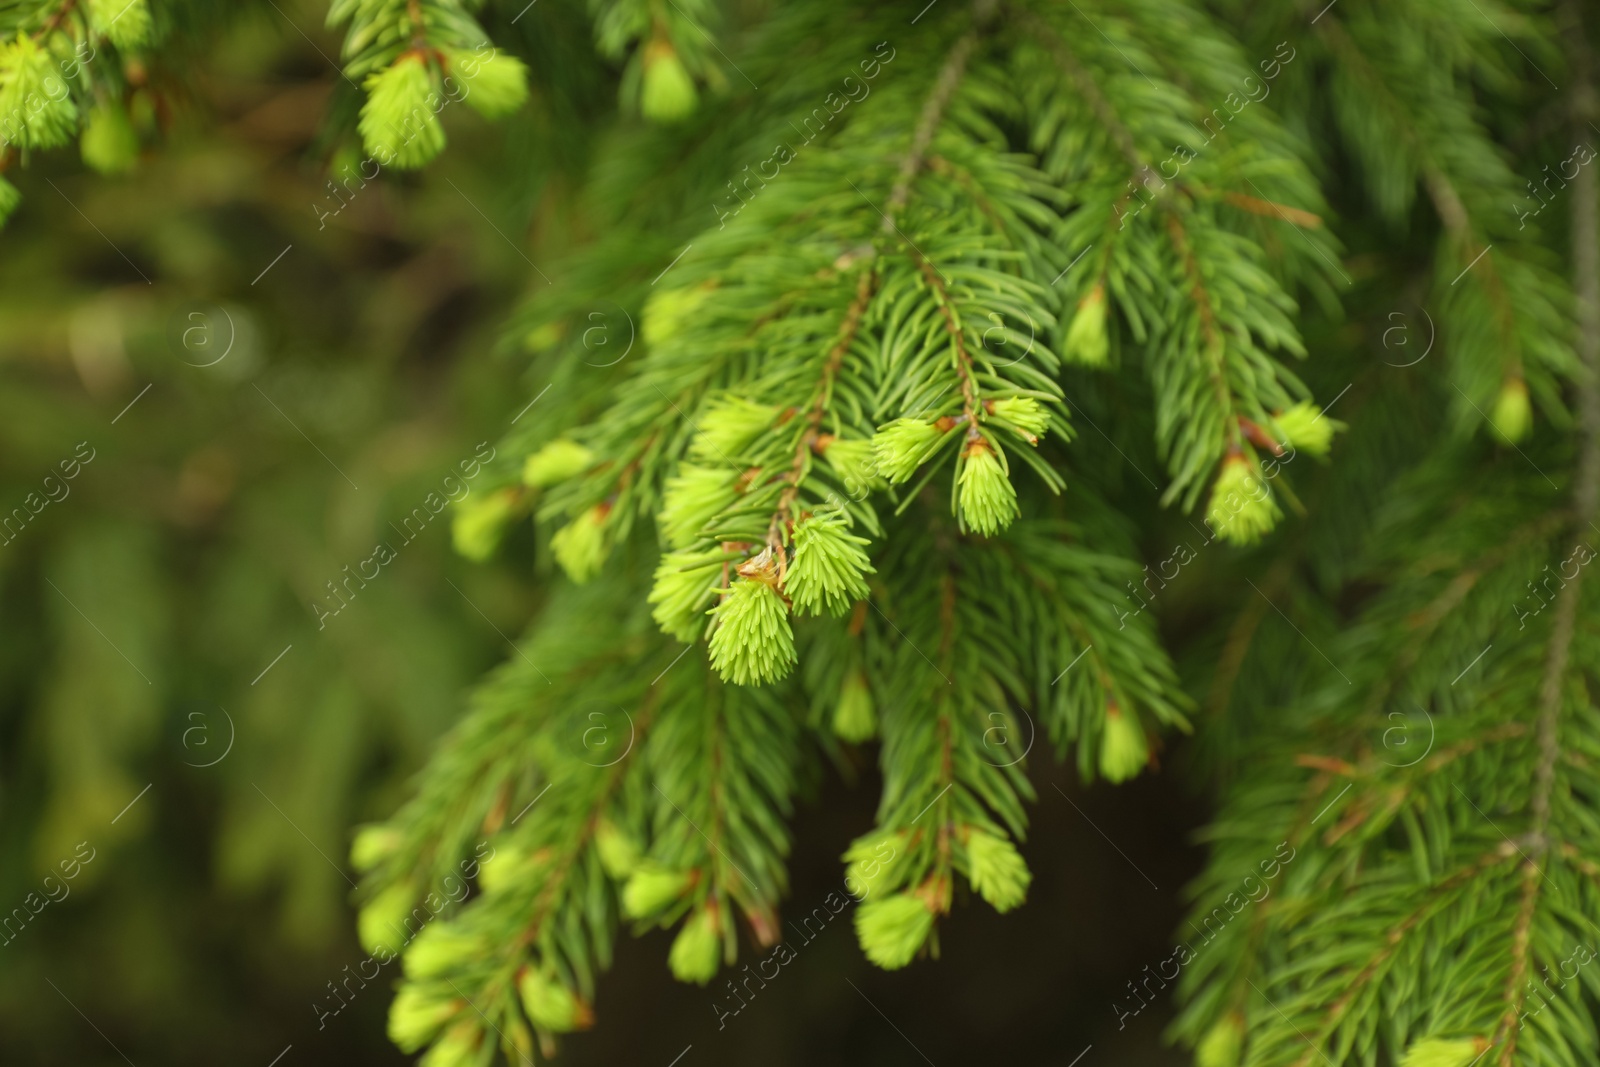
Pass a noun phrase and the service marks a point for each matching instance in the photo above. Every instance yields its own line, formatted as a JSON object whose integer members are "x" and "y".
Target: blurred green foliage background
{"x": 142, "y": 605}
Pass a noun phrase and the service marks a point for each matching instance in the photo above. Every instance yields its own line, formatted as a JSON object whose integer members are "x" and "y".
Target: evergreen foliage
{"x": 897, "y": 296}
{"x": 853, "y": 483}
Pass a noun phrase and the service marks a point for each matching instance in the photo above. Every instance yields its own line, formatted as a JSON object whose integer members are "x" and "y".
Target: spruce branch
{"x": 1438, "y": 610}
{"x": 783, "y": 517}
{"x": 1436, "y": 899}
{"x": 1272, "y": 209}
{"x": 933, "y": 109}
{"x": 1242, "y": 385}
{"x": 1212, "y": 344}
{"x": 412, "y": 57}
{"x": 1085, "y": 84}
{"x": 961, "y": 358}
{"x": 1585, "y": 507}
{"x": 1513, "y": 305}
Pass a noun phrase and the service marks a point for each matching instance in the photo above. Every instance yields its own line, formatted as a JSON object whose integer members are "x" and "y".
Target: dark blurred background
{"x": 264, "y": 386}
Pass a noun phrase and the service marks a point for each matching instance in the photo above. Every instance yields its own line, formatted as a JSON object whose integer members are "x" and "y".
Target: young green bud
{"x": 691, "y": 499}
{"x": 372, "y": 844}
{"x": 36, "y": 107}
{"x": 669, "y": 94}
{"x": 545, "y": 336}
{"x": 619, "y": 852}
{"x": 1305, "y": 428}
{"x": 1087, "y": 342}
{"x": 1512, "y": 417}
{"x": 10, "y": 197}
{"x": 855, "y": 719}
{"x": 997, "y": 871}
{"x": 497, "y": 84}
{"x": 667, "y": 311}
{"x": 125, "y": 23}
{"x": 557, "y": 461}
{"x": 109, "y": 144}
{"x": 398, "y": 124}
{"x": 829, "y": 566}
{"x": 381, "y": 923}
{"x": 1242, "y": 509}
{"x": 653, "y": 889}
{"x": 1444, "y": 1052}
{"x": 729, "y": 426}
{"x": 869, "y": 861}
{"x": 1022, "y": 413}
{"x": 440, "y": 948}
{"x": 508, "y": 866}
{"x": 517, "y": 1042}
{"x": 550, "y": 1004}
{"x": 480, "y": 522}
{"x": 457, "y": 1048}
{"x": 892, "y": 929}
{"x": 988, "y": 500}
{"x": 417, "y": 1014}
{"x": 852, "y": 461}
{"x": 697, "y": 950}
{"x": 1223, "y": 1044}
{"x": 580, "y": 545}
{"x": 685, "y": 585}
{"x": 1123, "y": 752}
{"x": 901, "y": 446}
{"x": 752, "y": 643}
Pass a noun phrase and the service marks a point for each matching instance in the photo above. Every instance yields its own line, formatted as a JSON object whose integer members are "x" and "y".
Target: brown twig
{"x": 958, "y": 341}
{"x": 1209, "y": 331}
{"x": 810, "y": 436}
{"x": 933, "y": 109}
{"x": 1272, "y": 209}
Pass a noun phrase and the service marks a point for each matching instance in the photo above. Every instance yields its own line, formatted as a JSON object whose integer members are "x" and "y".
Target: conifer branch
{"x": 1434, "y": 900}
{"x": 775, "y": 345}
{"x": 944, "y": 87}
{"x": 1061, "y": 52}
{"x": 958, "y": 342}
{"x": 1272, "y": 209}
{"x": 57, "y": 17}
{"x": 1245, "y": 383}
{"x": 1441, "y": 190}
{"x": 1213, "y": 346}
{"x": 810, "y": 437}
{"x": 933, "y": 109}
{"x": 1425, "y": 622}
{"x": 557, "y": 881}
{"x": 1057, "y": 45}
{"x": 1586, "y": 505}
